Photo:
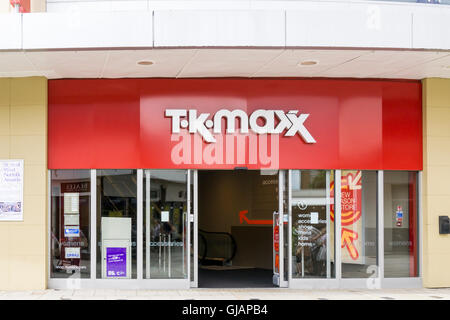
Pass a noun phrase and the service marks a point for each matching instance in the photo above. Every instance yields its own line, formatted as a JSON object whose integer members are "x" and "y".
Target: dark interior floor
{"x": 238, "y": 278}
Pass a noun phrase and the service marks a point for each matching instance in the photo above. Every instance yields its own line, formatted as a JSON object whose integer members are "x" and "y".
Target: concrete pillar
{"x": 23, "y": 135}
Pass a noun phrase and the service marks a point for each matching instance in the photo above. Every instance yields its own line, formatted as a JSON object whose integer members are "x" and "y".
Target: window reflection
{"x": 312, "y": 231}
{"x": 400, "y": 224}
{"x": 359, "y": 254}
{"x": 165, "y": 216}
{"x": 116, "y": 224}
{"x": 70, "y": 225}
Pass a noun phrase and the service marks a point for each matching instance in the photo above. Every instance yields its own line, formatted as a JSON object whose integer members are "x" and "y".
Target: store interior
{"x": 235, "y": 212}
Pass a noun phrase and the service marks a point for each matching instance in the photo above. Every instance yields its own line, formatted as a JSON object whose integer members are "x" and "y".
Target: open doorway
{"x": 235, "y": 229}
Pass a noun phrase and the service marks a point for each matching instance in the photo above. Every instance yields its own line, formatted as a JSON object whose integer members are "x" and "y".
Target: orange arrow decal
{"x": 347, "y": 238}
{"x": 243, "y": 217}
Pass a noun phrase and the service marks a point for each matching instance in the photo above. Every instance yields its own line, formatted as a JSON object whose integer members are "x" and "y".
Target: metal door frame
{"x": 281, "y": 214}
{"x": 319, "y": 283}
{"x": 193, "y": 218}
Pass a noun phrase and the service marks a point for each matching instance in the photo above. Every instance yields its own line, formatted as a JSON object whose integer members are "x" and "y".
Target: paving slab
{"x": 152, "y": 293}
{"x": 229, "y": 294}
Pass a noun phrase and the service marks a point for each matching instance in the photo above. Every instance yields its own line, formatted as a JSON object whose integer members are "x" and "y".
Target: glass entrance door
{"x": 312, "y": 232}
{"x": 166, "y": 224}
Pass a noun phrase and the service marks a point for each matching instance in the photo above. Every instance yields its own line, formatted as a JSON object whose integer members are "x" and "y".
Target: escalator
{"x": 216, "y": 270}
{"x": 216, "y": 248}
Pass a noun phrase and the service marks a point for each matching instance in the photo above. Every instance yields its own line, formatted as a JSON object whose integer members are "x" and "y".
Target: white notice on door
{"x": 164, "y": 216}
{"x": 71, "y": 219}
{"x": 314, "y": 217}
{"x": 72, "y": 202}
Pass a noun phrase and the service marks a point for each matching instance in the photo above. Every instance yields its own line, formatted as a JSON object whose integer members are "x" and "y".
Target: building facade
{"x": 132, "y": 131}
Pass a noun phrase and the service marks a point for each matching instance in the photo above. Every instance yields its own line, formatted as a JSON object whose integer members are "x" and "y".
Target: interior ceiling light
{"x": 145, "y": 63}
{"x": 308, "y": 63}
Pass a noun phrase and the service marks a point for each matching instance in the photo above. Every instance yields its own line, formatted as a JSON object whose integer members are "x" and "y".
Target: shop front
{"x": 335, "y": 167}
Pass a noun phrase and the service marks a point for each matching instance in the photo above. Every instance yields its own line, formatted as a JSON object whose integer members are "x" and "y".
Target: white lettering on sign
{"x": 289, "y": 122}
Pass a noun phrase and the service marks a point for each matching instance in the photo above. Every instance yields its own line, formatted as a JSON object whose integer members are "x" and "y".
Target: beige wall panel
{"x": 437, "y": 243}
{"x": 436, "y": 177}
{"x": 28, "y": 91}
{"x": 425, "y": 159}
{"x": 4, "y": 249}
{"x": 4, "y": 240}
{"x": 35, "y": 181}
{"x": 26, "y": 272}
{"x": 5, "y": 84}
{"x": 27, "y": 239}
{"x": 4, "y": 274}
{"x": 4, "y": 6}
{"x": 4, "y": 147}
{"x": 31, "y": 148}
{"x": 33, "y": 209}
{"x": 442, "y": 144}
{"x": 28, "y": 120}
{"x": 439, "y": 205}
{"x": 4, "y": 120}
{"x": 440, "y": 118}
{"x": 38, "y": 5}
{"x": 23, "y": 262}
{"x": 438, "y": 93}
{"x": 436, "y": 276}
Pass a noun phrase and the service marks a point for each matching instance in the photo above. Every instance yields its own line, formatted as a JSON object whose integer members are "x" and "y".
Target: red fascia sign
{"x": 229, "y": 123}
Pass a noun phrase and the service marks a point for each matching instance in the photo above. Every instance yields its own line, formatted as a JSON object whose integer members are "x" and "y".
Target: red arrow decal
{"x": 243, "y": 217}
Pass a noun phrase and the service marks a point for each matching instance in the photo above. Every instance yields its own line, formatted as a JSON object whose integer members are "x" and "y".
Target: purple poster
{"x": 116, "y": 262}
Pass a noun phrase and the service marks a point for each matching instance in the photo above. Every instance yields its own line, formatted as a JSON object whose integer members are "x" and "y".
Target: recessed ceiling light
{"x": 308, "y": 63}
{"x": 145, "y": 63}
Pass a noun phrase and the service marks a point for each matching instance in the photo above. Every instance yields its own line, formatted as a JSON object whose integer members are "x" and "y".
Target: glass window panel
{"x": 165, "y": 207}
{"x": 359, "y": 254}
{"x": 312, "y": 227}
{"x": 70, "y": 224}
{"x": 116, "y": 224}
{"x": 400, "y": 224}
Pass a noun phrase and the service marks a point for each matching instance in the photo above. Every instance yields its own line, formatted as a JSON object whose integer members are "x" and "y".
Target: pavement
{"x": 230, "y": 294}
